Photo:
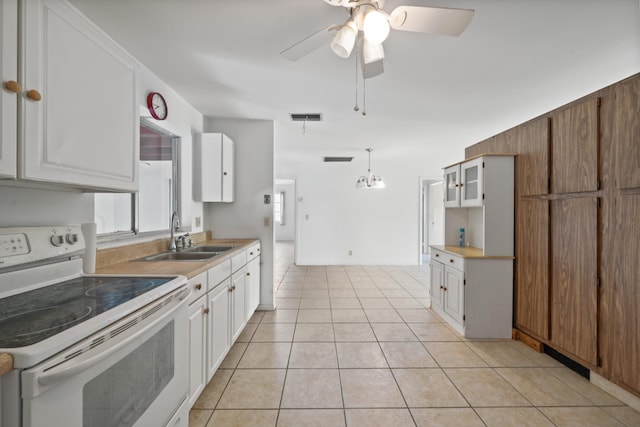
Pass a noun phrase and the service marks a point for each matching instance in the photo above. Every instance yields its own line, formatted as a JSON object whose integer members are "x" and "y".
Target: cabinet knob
{"x": 34, "y": 95}
{"x": 451, "y": 261}
{"x": 250, "y": 253}
{"x": 198, "y": 286}
{"x": 13, "y": 86}
{"x": 441, "y": 287}
{"x": 461, "y": 185}
{"x": 445, "y": 289}
{"x": 224, "y": 173}
{"x": 248, "y": 274}
{"x": 437, "y": 255}
{"x": 206, "y": 310}
{"x": 231, "y": 289}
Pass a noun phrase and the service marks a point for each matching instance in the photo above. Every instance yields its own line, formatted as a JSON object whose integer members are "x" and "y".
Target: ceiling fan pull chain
{"x": 355, "y": 107}
{"x": 364, "y": 97}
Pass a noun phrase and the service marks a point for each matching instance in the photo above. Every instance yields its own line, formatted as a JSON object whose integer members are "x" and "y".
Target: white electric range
{"x": 88, "y": 350}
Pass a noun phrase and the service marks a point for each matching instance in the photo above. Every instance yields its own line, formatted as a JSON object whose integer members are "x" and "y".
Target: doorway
{"x": 431, "y": 217}
{"x": 284, "y": 224}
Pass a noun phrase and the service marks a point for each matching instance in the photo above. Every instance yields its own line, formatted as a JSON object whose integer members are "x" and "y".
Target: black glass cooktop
{"x": 33, "y": 316}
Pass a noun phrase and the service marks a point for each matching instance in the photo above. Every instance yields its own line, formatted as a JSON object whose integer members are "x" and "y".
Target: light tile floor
{"x": 357, "y": 346}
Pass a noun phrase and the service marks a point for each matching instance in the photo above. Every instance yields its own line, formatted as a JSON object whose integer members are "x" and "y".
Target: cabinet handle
{"x": 34, "y": 95}
{"x": 445, "y": 289}
{"x": 198, "y": 286}
{"x": 13, "y": 86}
{"x": 461, "y": 185}
{"x": 224, "y": 173}
{"x": 441, "y": 287}
{"x": 231, "y": 289}
{"x": 206, "y": 311}
{"x": 250, "y": 253}
{"x": 451, "y": 261}
{"x": 248, "y": 274}
{"x": 437, "y": 255}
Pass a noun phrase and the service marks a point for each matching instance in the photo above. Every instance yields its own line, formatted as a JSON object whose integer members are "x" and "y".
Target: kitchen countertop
{"x": 188, "y": 268}
{"x": 468, "y": 252}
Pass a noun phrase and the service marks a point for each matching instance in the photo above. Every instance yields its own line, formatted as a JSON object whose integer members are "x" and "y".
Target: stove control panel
{"x": 13, "y": 244}
{"x": 22, "y": 245}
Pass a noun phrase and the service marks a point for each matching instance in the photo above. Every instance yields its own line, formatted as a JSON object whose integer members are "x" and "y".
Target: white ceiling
{"x": 517, "y": 59}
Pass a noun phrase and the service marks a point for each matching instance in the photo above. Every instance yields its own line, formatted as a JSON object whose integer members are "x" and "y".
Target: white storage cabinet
{"x": 198, "y": 311}
{"x": 213, "y": 168}
{"x": 76, "y": 100}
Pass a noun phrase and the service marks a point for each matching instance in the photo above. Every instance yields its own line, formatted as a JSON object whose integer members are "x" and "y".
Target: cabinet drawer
{"x": 238, "y": 261}
{"x": 218, "y": 273}
{"x": 253, "y": 251}
{"x": 446, "y": 258}
{"x": 198, "y": 286}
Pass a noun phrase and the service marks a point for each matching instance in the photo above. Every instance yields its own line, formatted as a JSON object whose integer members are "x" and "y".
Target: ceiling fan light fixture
{"x": 372, "y": 52}
{"x": 345, "y": 39}
{"x": 376, "y": 26}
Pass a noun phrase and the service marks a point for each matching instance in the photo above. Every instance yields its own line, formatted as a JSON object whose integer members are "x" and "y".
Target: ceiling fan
{"x": 368, "y": 26}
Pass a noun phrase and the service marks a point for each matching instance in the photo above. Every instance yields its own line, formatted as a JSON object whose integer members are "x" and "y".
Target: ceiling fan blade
{"x": 372, "y": 69}
{"x": 309, "y": 44}
{"x": 432, "y": 20}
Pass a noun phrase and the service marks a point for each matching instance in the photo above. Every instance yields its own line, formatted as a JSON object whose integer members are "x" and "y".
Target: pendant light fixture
{"x": 370, "y": 181}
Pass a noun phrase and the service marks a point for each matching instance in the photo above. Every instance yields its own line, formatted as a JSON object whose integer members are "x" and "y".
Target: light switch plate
{"x": 198, "y": 221}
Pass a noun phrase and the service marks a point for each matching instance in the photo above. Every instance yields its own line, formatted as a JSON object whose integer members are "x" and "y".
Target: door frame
{"x": 424, "y": 209}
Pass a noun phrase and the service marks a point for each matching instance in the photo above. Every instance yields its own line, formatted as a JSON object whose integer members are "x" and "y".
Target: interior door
{"x": 436, "y": 215}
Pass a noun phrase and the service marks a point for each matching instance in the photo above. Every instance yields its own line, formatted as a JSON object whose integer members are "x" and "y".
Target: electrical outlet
{"x": 266, "y": 221}
{"x": 198, "y": 221}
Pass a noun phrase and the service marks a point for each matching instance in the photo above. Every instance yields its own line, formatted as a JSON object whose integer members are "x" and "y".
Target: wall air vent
{"x": 334, "y": 159}
{"x": 310, "y": 117}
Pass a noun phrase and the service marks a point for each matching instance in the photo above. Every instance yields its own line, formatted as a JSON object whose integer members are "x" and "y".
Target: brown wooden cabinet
{"x": 532, "y": 163}
{"x": 626, "y": 134}
{"x": 574, "y": 277}
{"x": 627, "y": 293}
{"x": 575, "y": 147}
{"x": 532, "y": 267}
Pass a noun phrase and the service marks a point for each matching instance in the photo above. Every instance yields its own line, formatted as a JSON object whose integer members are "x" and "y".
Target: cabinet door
{"x": 228, "y": 178}
{"x": 238, "y": 312}
{"x": 451, "y": 182}
{"x": 8, "y": 98}
{"x": 197, "y": 348}
{"x": 454, "y": 293}
{"x": 627, "y": 292}
{"x": 472, "y": 185}
{"x": 218, "y": 333}
{"x": 85, "y": 129}
{"x": 253, "y": 287}
{"x": 436, "y": 276}
{"x": 574, "y": 285}
{"x": 532, "y": 266}
{"x": 532, "y": 162}
{"x": 626, "y": 134}
{"x": 575, "y": 148}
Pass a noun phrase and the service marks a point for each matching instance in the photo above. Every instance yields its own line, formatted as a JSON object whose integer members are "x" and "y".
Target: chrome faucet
{"x": 175, "y": 225}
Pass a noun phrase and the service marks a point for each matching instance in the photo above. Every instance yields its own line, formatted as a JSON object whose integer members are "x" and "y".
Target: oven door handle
{"x": 64, "y": 371}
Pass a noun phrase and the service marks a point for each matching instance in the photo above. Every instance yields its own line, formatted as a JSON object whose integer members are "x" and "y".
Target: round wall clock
{"x": 157, "y": 106}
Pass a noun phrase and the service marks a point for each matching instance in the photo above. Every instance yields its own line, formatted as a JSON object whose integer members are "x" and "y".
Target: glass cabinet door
{"x": 472, "y": 185}
{"x": 451, "y": 184}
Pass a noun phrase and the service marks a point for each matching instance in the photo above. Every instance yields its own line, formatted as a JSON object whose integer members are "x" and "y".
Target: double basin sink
{"x": 198, "y": 253}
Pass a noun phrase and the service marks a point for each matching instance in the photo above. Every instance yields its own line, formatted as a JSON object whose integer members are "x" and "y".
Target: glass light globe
{"x": 375, "y": 27}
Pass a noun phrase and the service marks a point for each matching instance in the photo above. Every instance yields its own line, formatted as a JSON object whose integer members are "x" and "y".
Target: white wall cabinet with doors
{"x": 75, "y": 96}
{"x": 213, "y": 164}
{"x": 472, "y": 284}
{"x": 219, "y": 311}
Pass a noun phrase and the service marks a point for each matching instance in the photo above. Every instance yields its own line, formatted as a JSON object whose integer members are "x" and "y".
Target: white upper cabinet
{"x": 472, "y": 184}
{"x": 10, "y": 89}
{"x": 451, "y": 184}
{"x": 213, "y": 167}
{"x": 77, "y": 107}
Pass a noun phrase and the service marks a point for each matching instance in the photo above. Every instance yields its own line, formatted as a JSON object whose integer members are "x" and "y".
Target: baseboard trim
{"x": 616, "y": 391}
{"x": 518, "y": 335}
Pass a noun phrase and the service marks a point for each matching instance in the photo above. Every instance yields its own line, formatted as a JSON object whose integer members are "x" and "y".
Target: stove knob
{"x": 71, "y": 238}
{"x": 57, "y": 240}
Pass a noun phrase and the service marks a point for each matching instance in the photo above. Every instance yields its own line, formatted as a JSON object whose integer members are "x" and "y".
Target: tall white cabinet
{"x": 75, "y": 100}
{"x": 472, "y": 284}
{"x": 213, "y": 168}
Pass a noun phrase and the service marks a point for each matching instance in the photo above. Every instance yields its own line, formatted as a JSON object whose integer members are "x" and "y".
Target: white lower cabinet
{"x": 197, "y": 348}
{"x": 220, "y": 305}
{"x": 473, "y": 294}
{"x": 218, "y": 335}
{"x": 238, "y": 309}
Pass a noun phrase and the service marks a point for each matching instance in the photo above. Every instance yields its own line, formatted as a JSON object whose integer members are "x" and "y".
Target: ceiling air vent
{"x": 310, "y": 117}
{"x": 330, "y": 159}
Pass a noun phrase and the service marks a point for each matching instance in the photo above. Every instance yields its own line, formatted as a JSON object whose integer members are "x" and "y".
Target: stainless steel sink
{"x": 180, "y": 256}
{"x": 210, "y": 249}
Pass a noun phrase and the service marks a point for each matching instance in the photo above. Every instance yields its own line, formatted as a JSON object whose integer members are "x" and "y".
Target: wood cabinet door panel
{"x": 627, "y": 291}
{"x": 575, "y": 148}
{"x": 532, "y": 268}
{"x": 626, "y": 134}
{"x": 574, "y": 297}
{"x": 532, "y": 161}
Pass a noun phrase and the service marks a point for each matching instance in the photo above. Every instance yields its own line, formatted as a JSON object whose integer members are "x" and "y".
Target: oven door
{"x": 134, "y": 373}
